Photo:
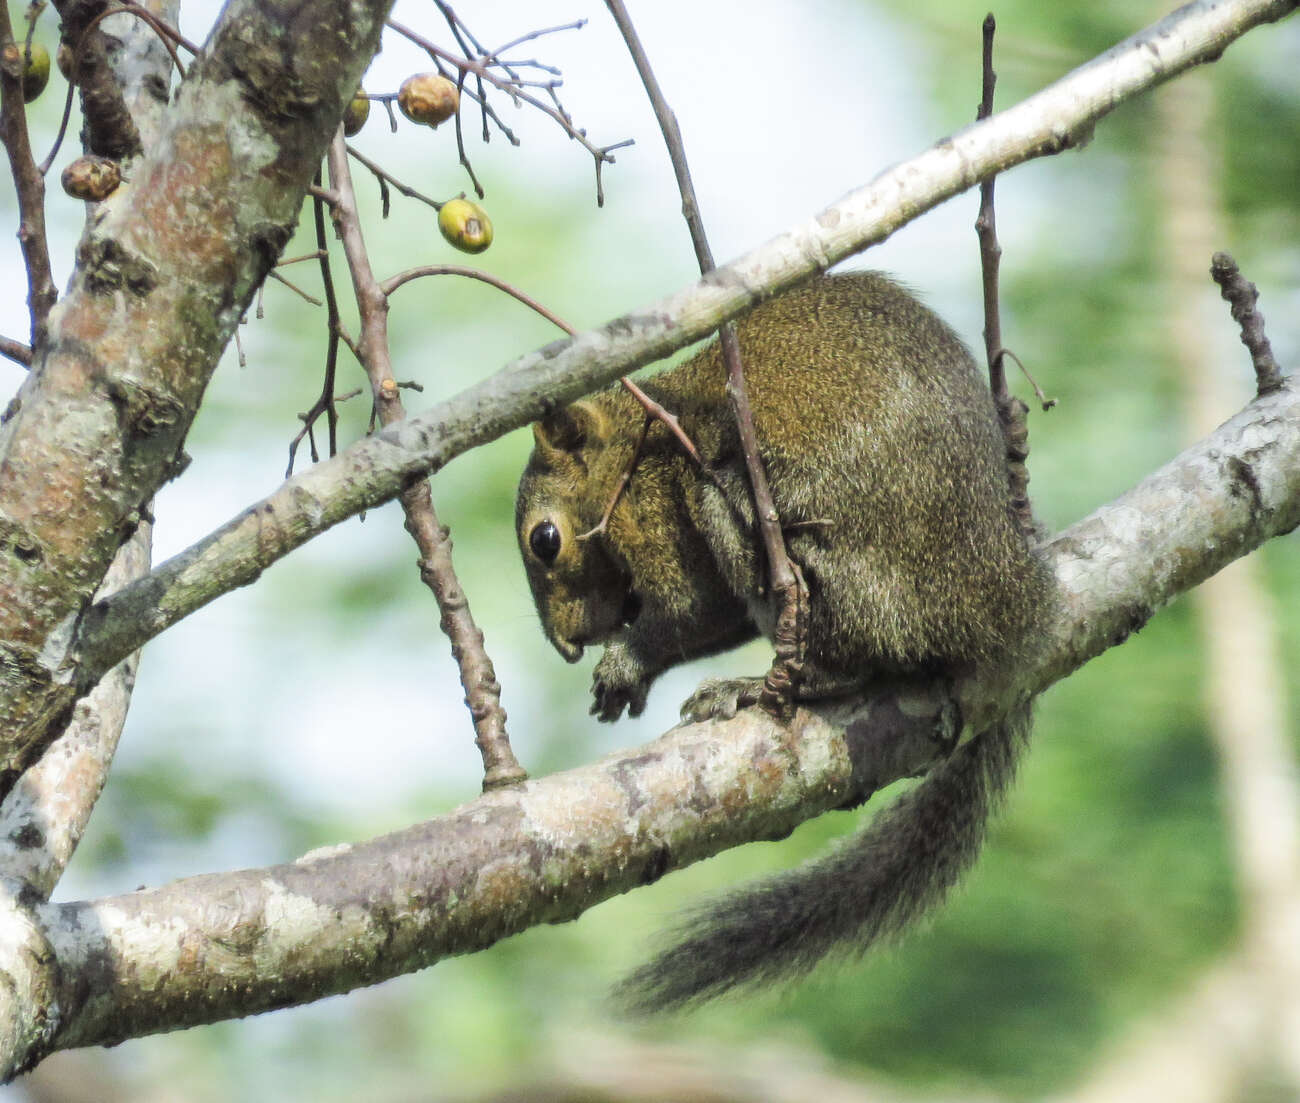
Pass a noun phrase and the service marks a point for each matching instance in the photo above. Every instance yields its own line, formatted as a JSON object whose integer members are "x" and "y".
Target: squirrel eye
{"x": 545, "y": 541}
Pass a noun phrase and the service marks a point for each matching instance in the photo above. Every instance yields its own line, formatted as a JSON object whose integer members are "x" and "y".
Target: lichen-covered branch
{"x": 221, "y": 945}
{"x": 375, "y": 470}
{"x": 158, "y": 290}
{"x": 43, "y": 817}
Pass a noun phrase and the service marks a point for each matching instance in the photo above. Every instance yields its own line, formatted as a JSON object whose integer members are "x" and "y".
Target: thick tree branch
{"x": 378, "y": 468}
{"x": 220, "y": 945}
{"x": 45, "y": 814}
{"x": 159, "y": 288}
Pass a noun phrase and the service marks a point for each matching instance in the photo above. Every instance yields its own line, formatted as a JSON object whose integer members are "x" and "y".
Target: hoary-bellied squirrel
{"x": 886, "y": 463}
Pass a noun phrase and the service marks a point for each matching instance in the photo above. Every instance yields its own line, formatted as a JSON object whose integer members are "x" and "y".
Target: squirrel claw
{"x": 721, "y": 698}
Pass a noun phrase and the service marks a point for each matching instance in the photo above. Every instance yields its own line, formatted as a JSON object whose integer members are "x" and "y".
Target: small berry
{"x": 428, "y": 98}
{"x": 465, "y": 225}
{"x": 91, "y": 178}
{"x": 358, "y": 111}
{"x": 35, "y": 68}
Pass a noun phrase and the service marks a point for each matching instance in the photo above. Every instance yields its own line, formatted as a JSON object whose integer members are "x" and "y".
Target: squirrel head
{"x": 583, "y": 594}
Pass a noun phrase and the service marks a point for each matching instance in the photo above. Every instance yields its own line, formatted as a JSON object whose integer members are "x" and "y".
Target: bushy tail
{"x": 877, "y": 883}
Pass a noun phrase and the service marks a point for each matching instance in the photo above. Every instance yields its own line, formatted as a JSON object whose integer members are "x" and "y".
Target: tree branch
{"x": 378, "y": 468}
{"x": 159, "y": 289}
{"x": 211, "y": 947}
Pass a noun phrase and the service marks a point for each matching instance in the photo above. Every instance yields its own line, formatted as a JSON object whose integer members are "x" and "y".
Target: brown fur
{"x": 885, "y": 459}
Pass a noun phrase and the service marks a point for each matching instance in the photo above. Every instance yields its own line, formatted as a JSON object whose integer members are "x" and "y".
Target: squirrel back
{"x": 886, "y": 463}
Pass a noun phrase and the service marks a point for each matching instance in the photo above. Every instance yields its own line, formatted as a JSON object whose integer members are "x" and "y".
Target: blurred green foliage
{"x": 1107, "y": 885}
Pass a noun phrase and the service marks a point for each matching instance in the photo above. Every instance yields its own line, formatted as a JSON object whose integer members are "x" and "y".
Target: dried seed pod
{"x": 428, "y": 98}
{"x": 91, "y": 178}
{"x": 465, "y": 225}
{"x": 358, "y": 111}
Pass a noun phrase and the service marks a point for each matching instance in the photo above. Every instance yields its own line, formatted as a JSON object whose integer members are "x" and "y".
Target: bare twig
{"x": 1013, "y": 414}
{"x": 29, "y": 184}
{"x": 63, "y": 128}
{"x": 1242, "y": 295}
{"x": 788, "y": 591}
{"x": 481, "y": 68}
{"x": 16, "y": 351}
{"x": 986, "y": 228}
{"x": 387, "y": 178}
{"x": 274, "y": 275}
{"x": 391, "y": 284}
{"x": 482, "y": 693}
{"x": 325, "y": 402}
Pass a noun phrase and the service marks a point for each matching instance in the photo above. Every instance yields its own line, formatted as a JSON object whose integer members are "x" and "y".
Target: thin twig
{"x": 326, "y": 400}
{"x": 387, "y": 178}
{"x": 511, "y": 87}
{"x": 786, "y": 583}
{"x": 16, "y": 351}
{"x": 1242, "y": 295}
{"x": 63, "y": 128}
{"x": 28, "y": 183}
{"x": 274, "y": 275}
{"x": 1013, "y": 414}
{"x": 391, "y": 284}
{"x": 987, "y": 229}
{"x": 482, "y": 692}
{"x": 315, "y": 254}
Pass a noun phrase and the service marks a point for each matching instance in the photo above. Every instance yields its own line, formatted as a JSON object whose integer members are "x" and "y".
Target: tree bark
{"x": 161, "y": 281}
{"x": 159, "y": 288}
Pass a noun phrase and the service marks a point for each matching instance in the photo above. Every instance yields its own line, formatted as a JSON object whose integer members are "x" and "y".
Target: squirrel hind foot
{"x": 721, "y": 699}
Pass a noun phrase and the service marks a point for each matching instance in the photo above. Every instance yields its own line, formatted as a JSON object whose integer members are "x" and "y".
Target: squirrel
{"x": 887, "y": 465}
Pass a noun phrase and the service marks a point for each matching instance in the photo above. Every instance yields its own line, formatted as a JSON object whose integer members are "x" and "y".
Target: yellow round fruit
{"x": 36, "y": 67}
{"x": 465, "y": 225}
{"x": 358, "y": 111}
{"x": 428, "y": 98}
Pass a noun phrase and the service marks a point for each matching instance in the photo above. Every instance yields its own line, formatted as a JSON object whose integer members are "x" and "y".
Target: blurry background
{"x": 1125, "y": 911}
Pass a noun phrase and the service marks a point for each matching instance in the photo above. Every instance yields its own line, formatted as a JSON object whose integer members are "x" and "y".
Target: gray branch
{"x": 161, "y": 281}
{"x": 378, "y": 468}
{"x": 220, "y": 945}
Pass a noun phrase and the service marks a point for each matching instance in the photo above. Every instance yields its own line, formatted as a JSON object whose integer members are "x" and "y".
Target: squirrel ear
{"x": 570, "y": 429}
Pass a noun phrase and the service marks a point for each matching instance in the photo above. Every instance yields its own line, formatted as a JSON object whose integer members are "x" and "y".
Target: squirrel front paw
{"x": 619, "y": 683}
{"x": 721, "y": 698}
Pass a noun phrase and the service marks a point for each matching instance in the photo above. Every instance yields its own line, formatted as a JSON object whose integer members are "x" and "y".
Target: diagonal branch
{"x": 160, "y": 286}
{"x": 375, "y": 470}
{"x": 211, "y": 947}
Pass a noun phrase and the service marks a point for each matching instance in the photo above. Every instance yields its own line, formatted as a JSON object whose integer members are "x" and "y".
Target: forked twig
{"x": 482, "y": 692}
{"x": 30, "y": 187}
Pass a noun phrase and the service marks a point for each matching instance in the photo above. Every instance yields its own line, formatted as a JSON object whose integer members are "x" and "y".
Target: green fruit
{"x": 465, "y": 225}
{"x": 358, "y": 111}
{"x": 35, "y": 68}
